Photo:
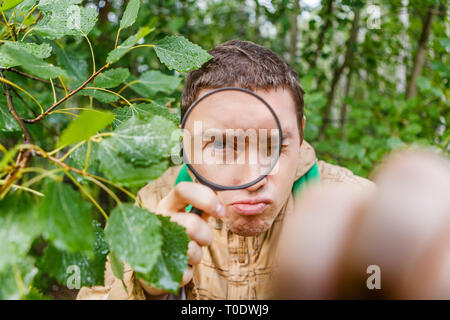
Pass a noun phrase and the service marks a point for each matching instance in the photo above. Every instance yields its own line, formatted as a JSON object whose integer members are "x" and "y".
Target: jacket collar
{"x": 307, "y": 158}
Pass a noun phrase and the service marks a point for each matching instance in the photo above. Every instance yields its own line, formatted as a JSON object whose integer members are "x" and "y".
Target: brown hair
{"x": 247, "y": 65}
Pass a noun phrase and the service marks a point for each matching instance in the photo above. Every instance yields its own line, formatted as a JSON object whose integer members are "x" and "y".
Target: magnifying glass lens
{"x": 231, "y": 138}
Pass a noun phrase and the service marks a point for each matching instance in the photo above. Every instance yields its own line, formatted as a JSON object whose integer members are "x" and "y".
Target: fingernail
{"x": 220, "y": 209}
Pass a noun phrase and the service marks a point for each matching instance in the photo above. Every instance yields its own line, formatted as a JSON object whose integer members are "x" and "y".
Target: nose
{"x": 257, "y": 185}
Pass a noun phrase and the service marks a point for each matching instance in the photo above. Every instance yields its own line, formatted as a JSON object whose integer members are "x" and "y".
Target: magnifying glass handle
{"x": 196, "y": 211}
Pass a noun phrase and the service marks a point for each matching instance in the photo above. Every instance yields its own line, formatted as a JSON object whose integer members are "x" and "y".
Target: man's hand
{"x": 402, "y": 228}
{"x": 173, "y": 205}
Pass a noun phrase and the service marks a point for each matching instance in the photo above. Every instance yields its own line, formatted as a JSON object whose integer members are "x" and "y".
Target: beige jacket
{"x": 233, "y": 267}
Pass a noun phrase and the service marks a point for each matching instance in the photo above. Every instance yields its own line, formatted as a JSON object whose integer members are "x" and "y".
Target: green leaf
{"x": 134, "y": 235}
{"x": 176, "y": 23}
{"x": 19, "y": 226}
{"x": 167, "y": 273}
{"x": 394, "y": 142}
{"x": 178, "y": 53}
{"x": 424, "y": 84}
{"x": 8, "y": 4}
{"x": 65, "y": 17}
{"x": 154, "y": 81}
{"x": 111, "y": 78}
{"x": 67, "y": 218}
{"x": 130, "y": 14}
{"x": 73, "y": 63}
{"x": 7, "y": 122}
{"x": 307, "y": 82}
{"x": 413, "y": 129}
{"x": 122, "y": 172}
{"x": 6, "y": 61}
{"x": 100, "y": 95}
{"x": 315, "y": 100}
{"x": 51, "y": 5}
{"x": 41, "y": 51}
{"x": 166, "y": 102}
{"x": 79, "y": 158}
{"x": 152, "y": 245}
{"x": 145, "y": 110}
{"x": 138, "y": 151}
{"x": 86, "y": 125}
{"x": 31, "y": 63}
{"x": 92, "y": 269}
{"x": 144, "y": 141}
{"x": 116, "y": 266}
{"x": 16, "y": 279}
{"x": 124, "y": 47}
{"x": 25, "y": 6}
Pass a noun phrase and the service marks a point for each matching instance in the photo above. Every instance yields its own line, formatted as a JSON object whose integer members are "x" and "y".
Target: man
{"x": 232, "y": 256}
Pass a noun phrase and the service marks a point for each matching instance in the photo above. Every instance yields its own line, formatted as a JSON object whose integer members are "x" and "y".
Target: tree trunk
{"x": 293, "y": 33}
{"x": 257, "y": 35}
{"x": 338, "y": 73}
{"x": 103, "y": 14}
{"x": 321, "y": 38}
{"x": 419, "y": 58}
{"x": 343, "y": 115}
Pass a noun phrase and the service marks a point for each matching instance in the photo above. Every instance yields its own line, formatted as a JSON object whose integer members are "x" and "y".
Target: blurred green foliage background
{"x": 355, "y": 60}
{"x": 375, "y": 73}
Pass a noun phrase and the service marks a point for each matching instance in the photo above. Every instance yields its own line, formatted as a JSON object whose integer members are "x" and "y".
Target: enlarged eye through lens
{"x": 232, "y": 138}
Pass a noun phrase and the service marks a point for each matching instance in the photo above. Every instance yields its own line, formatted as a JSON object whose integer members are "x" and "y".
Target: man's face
{"x": 252, "y": 210}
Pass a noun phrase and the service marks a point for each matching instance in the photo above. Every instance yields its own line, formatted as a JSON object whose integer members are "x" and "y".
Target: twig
{"x": 82, "y": 173}
{"x": 24, "y": 102}
{"x": 46, "y": 112}
{"x": 87, "y": 194}
{"x": 110, "y": 91}
{"x": 9, "y": 102}
{"x": 24, "y": 156}
{"x": 24, "y": 19}
{"x": 12, "y": 84}
{"x": 35, "y": 78}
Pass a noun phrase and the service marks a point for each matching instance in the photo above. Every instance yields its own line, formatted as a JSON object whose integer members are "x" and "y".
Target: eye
{"x": 218, "y": 144}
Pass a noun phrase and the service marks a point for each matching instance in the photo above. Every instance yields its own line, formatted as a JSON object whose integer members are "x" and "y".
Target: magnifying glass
{"x": 232, "y": 139}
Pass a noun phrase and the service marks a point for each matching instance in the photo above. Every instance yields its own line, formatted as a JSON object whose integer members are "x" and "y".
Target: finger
{"x": 187, "y": 276}
{"x": 150, "y": 289}
{"x": 315, "y": 239}
{"x": 196, "y": 228}
{"x": 195, "y": 194}
{"x": 195, "y": 253}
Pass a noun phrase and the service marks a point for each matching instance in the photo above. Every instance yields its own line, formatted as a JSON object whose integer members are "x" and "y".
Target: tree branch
{"x": 323, "y": 29}
{"x": 420, "y": 55}
{"x": 9, "y": 102}
{"x": 24, "y": 102}
{"x": 24, "y": 156}
{"x": 55, "y": 105}
{"x": 29, "y": 76}
{"x": 338, "y": 72}
{"x": 294, "y": 32}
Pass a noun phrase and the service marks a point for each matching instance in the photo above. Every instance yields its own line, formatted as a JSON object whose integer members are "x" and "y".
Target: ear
{"x": 303, "y": 130}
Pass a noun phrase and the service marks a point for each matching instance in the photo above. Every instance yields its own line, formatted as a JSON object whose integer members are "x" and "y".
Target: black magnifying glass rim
{"x": 211, "y": 184}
